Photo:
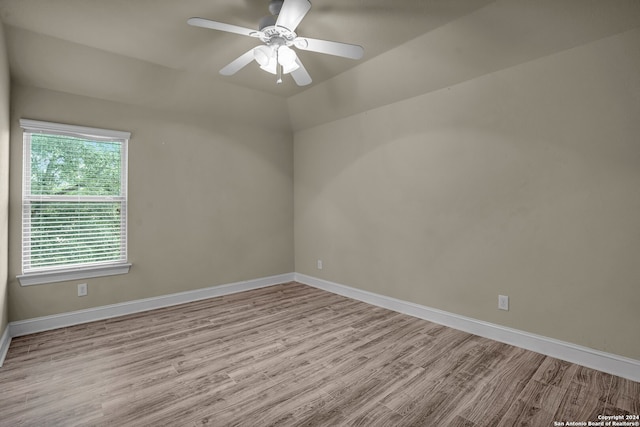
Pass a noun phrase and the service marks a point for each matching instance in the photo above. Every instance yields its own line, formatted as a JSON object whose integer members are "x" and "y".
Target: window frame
{"x": 78, "y": 271}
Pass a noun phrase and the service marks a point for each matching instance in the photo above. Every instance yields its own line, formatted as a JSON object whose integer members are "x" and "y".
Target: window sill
{"x": 75, "y": 274}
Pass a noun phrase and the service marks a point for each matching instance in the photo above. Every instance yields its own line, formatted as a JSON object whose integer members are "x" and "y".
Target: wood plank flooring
{"x": 292, "y": 355}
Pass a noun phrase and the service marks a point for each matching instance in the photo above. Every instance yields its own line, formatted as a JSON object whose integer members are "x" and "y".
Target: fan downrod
{"x": 275, "y": 6}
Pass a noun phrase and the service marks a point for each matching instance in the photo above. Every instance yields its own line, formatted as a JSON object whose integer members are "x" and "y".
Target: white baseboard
{"x": 602, "y": 361}
{"x": 5, "y": 340}
{"x": 39, "y": 324}
{"x": 585, "y": 356}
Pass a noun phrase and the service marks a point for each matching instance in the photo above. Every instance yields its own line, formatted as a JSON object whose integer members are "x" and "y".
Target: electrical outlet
{"x": 82, "y": 289}
{"x": 503, "y": 302}
{"x": 319, "y": 264}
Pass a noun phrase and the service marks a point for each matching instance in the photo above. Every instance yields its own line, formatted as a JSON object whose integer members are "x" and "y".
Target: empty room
{"x": 320, "y": 213}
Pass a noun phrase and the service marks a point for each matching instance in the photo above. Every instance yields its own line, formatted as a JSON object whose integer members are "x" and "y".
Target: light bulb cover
{"x": 263, "y": 55}
{"x": 286, "y": 69}
{"x": 270, "y": 67}
{"x": 286, "y": 56}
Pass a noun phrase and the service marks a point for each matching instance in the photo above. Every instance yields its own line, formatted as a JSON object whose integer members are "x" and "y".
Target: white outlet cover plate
{"x": 503, "y": 302}
{"x": 82, "y": 289}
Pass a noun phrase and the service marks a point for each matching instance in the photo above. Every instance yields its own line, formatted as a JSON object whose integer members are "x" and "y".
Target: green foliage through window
{"x": 74, "y": 201}
{"x": 62, "y": 165}
{"x": 64, "y": 233}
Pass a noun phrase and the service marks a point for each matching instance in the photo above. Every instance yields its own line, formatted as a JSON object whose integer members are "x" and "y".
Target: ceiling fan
{"x": 277, "y": 32}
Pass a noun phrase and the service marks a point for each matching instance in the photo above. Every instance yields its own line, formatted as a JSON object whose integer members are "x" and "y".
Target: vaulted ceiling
{"x": 143, "y": 52}
{"x": 138, "y": 37}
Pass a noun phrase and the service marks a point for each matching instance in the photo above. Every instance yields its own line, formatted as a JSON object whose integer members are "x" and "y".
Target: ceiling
{"x": 98, "y": 47}
{"x": 143, "y": 52}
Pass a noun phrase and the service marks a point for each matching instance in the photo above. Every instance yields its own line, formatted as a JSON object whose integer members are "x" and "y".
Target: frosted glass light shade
{"x": 262, "y": 55}
{"x": 286, "y": 56}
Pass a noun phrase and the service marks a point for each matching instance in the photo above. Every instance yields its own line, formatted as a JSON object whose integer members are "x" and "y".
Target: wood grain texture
{"x": 292, "y": 355}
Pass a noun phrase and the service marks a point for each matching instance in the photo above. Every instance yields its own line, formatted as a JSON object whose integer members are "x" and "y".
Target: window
{"x": 74, "y": 202}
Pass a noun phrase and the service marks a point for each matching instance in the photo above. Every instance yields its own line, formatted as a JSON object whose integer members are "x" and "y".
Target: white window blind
{"x": 74, "y": 197}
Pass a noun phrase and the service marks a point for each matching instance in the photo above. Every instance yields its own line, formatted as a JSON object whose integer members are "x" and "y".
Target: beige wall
{"x": 501, "y": 156}
{"x": 4, "y": 181}
{"x": 523, "y": 182}
{"x": 210, "y": 201}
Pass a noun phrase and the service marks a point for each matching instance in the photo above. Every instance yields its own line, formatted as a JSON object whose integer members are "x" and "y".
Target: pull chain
{"x": 279, "y": 67}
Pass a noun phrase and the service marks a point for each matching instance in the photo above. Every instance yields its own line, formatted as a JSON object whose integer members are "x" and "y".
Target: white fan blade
{"x": 331, "y": 48}
{"x": 300, "y": 74}
{"x": 221, "y": 26}
{"x": 292, "y": 13}
{"x": 237, "y": 64}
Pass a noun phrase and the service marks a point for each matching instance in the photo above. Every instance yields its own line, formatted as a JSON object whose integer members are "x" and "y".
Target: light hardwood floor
{"x": 292, "y": 355}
